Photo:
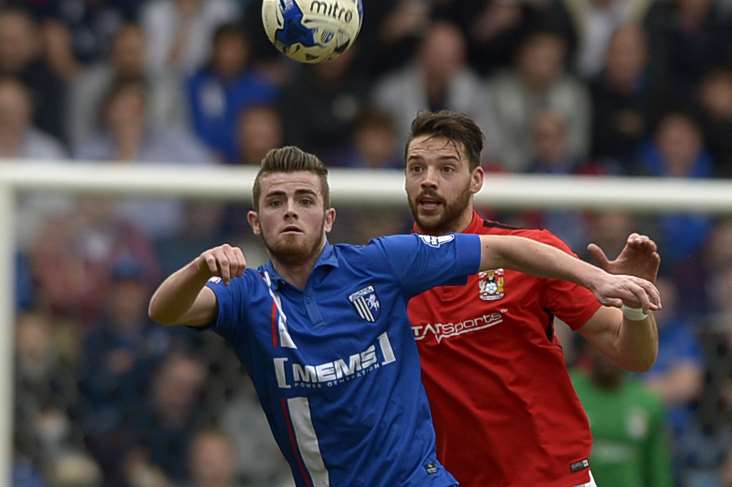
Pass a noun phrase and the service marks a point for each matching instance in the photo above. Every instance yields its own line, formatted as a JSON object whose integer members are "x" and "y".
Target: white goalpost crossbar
{"x": 375, "y": 188}
{"x": 348, "y": 188}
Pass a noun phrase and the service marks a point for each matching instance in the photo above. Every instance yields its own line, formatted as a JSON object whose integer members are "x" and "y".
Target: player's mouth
{"x": 291, "y": 229}
{"x": 429, "y": 204}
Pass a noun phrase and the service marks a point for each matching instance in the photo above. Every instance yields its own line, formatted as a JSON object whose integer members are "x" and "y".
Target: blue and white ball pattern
{"x": 312, "y": 31}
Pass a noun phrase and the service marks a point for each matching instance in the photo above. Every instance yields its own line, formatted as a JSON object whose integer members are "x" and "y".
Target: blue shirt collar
{"x": 327, "y": 258}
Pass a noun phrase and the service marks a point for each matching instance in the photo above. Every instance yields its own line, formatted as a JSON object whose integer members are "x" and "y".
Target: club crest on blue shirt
{"x": 437, "y": 242}
{"x": 366, "y": 303}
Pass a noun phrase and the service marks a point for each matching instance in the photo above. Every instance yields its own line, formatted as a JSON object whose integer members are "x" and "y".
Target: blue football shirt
{"x": 335, "y": 365}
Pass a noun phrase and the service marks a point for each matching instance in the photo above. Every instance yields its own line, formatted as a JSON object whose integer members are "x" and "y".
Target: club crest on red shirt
{"x": 490, "y": 285}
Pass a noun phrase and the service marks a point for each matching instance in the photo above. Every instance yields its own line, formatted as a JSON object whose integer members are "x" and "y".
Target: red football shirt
{"x": 504, "y": 408}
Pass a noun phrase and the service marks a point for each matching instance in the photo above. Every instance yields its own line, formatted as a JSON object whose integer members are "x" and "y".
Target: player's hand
{"x": 639, "y": 258}
{"x": 224, "y": 261}
{"x": 613, "y": 290}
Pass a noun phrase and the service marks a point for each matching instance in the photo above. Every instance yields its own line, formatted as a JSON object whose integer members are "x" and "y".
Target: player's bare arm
{"x": 531, "y": 257}
{"x": 184, "y": 299}
{"x": 631, "y": 343}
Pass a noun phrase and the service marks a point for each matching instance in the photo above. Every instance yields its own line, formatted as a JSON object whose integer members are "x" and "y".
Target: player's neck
{"x": 297, "y": 274}
{"x": 466, "y": 218}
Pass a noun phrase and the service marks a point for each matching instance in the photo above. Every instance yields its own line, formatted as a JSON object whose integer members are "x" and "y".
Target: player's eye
{"x": 307, "y": 201}
{"x": 415, "y": 169}
{"x": 274, "y": 203}
{"x": 448, "y": 169}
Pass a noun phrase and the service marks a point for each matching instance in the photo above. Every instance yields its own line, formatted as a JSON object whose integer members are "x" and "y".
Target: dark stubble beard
{"x": 293, "y": 255}
{"x": 450, "y": 215}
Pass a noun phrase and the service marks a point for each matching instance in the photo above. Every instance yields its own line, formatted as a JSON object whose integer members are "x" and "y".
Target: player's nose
{"x": 291, "y": 210}
{"x": 430, "y": 179}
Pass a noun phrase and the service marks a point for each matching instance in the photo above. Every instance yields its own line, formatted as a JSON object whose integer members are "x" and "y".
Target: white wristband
{"x": 634, "y": 314}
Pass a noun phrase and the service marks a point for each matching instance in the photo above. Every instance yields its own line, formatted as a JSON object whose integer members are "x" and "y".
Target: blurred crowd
{"x": 591, "y": 87}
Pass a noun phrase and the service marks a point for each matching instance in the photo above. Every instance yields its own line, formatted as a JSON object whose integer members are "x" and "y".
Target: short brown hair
{"x": 291, "y": 159}
{"x": 455, "y": 127}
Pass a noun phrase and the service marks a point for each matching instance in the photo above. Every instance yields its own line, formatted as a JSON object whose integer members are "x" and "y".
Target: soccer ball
{"x": 312, "y": 31}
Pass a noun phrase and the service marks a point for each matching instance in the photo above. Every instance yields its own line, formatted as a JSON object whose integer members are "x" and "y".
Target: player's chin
{"x": 290, "y": 244}
{"x": 290, "y": 252}
{"x": 429, "y": 220}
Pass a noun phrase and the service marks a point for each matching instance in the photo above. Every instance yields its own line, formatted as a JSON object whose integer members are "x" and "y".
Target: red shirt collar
{"x": 474, "y": 227}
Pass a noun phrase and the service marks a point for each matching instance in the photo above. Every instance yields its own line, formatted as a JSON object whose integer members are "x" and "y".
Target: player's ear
{"x": 330, "y": 216}
{"x": 253, "y": 219}
{"x": 476, "y": 179}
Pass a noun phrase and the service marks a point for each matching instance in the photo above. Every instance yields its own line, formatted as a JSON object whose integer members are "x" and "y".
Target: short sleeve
{"x": 421, "y": 262}
{"x": 570, "y": 302}
{"x": 231, "y": 305}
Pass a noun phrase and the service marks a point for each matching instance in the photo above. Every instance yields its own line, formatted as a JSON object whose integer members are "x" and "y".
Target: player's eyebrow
{"x": 443, "y": 158}
{"x": 298, "y": 192}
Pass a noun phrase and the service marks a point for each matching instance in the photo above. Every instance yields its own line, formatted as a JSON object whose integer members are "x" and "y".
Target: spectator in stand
{"x": 391, "y": 34}
{"x": 718, "y": 252}
{"x": 212, "y": 460}
{"x": 551, "y": 149}
{"x": 21, "y": 57}
{"x": 222, "y": 88}
{"x": 45, "y": 388}
{"x": 552, "y": 155}
{"x": 374, "y": 144}
{"x": 716, "y": 256}
{"x": 259, "y": 129}
{"x": 163, "y": 429}
{"x": 708, "y": 449}
{"x": 676, "y": 377}
{"x": 128, "y": 137}
{"x": 438, "y": 79}
{"x": 595, "y": 21}
{"x": 319, "y": 106}
{"x": 607, "y": 230}
{"x": 688, "y": 37}
{"x": 715, "y": 98}
{"x": 78, "y": 33}
{"x": 165, "y": 106}
{"x": 258, "y": 457}
{"x": 496, "y": 28}
{"x": 625, "y": 98}
{"x": 203, "y": 222}
{"x": 537, "y": 83}
{"x": 19, "y": 139}
{"x": 79, "y": 246}
{"x": 630, "y": 445}
{"x": 678, "y": 151}
{"x": 119, "y": 354}
{"x": 179, "y": 31}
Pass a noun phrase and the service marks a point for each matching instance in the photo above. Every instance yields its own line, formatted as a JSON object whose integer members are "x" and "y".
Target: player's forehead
{"x": 428, "y": 147}
{"x": 290, "y": 183}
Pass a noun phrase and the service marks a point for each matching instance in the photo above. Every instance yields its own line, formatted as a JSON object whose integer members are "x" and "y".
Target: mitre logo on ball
{"x": 312, "y": 31}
